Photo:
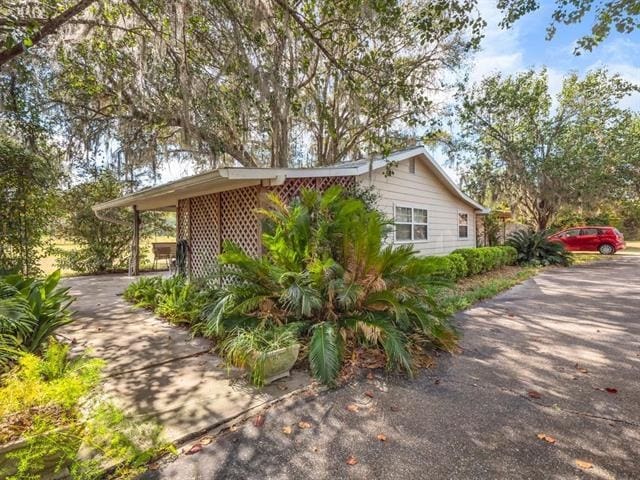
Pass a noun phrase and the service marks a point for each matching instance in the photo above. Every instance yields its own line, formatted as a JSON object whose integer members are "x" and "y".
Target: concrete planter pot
{"x": 278, "y": 363}
{"x": 9, "y": 465}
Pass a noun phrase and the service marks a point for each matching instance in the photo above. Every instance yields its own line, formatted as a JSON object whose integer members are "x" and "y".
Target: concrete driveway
{"x": 556, "y": 357}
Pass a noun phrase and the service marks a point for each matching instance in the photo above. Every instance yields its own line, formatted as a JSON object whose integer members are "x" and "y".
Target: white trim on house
{"x": 166, "y": 196}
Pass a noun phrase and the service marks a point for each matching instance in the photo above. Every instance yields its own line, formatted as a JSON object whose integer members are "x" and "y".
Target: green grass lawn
{"x": 632, "y": 247}
{"x": 466, "y": 292}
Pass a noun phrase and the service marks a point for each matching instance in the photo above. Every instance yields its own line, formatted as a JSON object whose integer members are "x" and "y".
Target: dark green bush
{"x": 459, "y": 265}
{"x": 326, "y": 267}
{"x": 485, "y": 259}
{"x": 174, "y": 298}
{"x": 534, "y": 248}
{"x": 440, "y": 267}
{"x": 473, "y": 259}
{"x": 31, "y": 310}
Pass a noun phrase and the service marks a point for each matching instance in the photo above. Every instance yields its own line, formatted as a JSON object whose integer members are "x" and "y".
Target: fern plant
{"x": 535, "y": 248}
{"x": 325, "y": 265}
{"x": 31, "y": 310}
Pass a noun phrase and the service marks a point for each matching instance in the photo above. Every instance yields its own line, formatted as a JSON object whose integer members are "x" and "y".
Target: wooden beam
{"x": 135, "y": 244}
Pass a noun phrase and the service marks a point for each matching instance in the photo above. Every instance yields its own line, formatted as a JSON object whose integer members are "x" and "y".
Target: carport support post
{"x": 135, "y": 244}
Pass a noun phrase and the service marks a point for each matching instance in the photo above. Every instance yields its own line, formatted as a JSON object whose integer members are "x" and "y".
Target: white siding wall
{"x": 423, "y": 190}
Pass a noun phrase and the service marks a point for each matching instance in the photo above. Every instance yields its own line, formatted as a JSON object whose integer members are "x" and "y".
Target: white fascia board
{"x": 166, "y": 189}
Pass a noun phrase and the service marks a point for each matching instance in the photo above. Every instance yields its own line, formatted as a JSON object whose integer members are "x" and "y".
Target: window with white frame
{"x": 463, "y": 225}
{"x": 411, "y": 224}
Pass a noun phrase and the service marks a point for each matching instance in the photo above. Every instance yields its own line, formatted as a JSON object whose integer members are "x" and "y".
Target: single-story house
{"x": 428, "y": 209}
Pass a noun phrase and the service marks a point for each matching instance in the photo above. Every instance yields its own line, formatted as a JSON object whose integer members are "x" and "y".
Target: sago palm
{"x": 325, "y": 265}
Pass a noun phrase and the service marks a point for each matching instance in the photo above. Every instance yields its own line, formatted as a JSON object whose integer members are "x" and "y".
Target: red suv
{"x": 606, "y": 240}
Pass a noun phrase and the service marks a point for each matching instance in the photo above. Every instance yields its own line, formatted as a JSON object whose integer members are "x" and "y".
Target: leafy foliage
{"x": 325, "y": 265}
{"x": 31, "y": 310}
{"x": 484, "y": 259}
{"x": 174, "y": 298}
{"x": 103, "y": 246}
{"x": 234, "y": 81}
{"x": 536, "y": 249}
{"x": 536, "y": 156}
{"x": 27, "y": 206}
{"x": 49, "y": 402}
{"x": 623, "y": 15}
{"x": 249, "y": 348}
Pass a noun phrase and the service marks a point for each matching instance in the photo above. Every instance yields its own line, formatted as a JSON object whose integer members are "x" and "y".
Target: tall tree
{"x": 255, "y": 82}
{"x": 539, "y": 155}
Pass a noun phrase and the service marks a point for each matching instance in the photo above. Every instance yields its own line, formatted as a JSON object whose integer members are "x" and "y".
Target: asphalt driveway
{"x": 547, "y": 386}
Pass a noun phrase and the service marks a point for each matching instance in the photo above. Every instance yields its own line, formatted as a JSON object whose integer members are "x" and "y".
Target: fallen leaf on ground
{"x": 584, "y": 465}
{"x": 206, "y": 440}
{"x": 534, "y": 394}
{"x": 546, "y": 438}
{"x": 258, "y": 421}
{"x": 611, "y": 390}
{"x": 351, "y": 460}
{"x": 304, "y": 425}
{"x": 352, "y": 407}
{"x": 286, "y": 430}
{"x": 194, "y": 449}
{"x": 581, "y": 369}
{"x": 382, "y": 437}
{"x": 369, "y": 393}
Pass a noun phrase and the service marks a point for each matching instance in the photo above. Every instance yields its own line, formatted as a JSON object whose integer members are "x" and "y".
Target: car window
{"x": 571, "y": 233}
{"x": 589, "y": 231}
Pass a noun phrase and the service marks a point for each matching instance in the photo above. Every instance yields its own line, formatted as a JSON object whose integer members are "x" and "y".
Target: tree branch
{"x": 52, "y": 26}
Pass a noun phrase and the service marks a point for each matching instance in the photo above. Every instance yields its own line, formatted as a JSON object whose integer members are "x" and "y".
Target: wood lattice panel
{"x": 204, "y": 233}
{"x": 238, "y": 218}
{"x": 292, "y": 186}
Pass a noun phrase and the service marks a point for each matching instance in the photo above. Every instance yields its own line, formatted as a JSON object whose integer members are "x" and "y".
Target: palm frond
{"x": 324, "y": 352}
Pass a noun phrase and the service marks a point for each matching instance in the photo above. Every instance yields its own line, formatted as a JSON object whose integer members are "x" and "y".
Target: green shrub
{"x": 485, "y": 259}
{"x": 173, "y": 298}
{"x": 28, "y": 205}
{"x": 459, "y": 265}
{"x": 473, "y": 259}
{"x": 440, "y": 267}
{"x": 101, "y": 246}
{"x": 535, "y": 248}
{"x": 143, "y": 292}
{"x": 325, "y": 265}
{"x": 31, "y": 310}
{"x": 249, "y": 347}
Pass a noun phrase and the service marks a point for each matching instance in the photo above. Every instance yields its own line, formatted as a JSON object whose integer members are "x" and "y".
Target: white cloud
{"x": 501, "y": 51}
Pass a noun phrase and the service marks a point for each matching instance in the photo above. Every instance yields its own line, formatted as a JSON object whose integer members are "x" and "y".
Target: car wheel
{"x": 606, "y": 249}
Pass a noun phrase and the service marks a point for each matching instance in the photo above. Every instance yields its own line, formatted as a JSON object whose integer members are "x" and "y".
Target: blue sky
{"x": 524, "y": 46}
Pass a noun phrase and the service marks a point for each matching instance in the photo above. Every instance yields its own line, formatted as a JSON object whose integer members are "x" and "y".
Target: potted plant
{"x": 269, "y": 353}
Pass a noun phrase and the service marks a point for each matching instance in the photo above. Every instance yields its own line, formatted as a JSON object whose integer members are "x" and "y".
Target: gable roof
{"x": 165, "y": 197}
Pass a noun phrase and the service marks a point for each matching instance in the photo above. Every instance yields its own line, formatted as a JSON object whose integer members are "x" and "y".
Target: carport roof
{"x": 165, "y": 197}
